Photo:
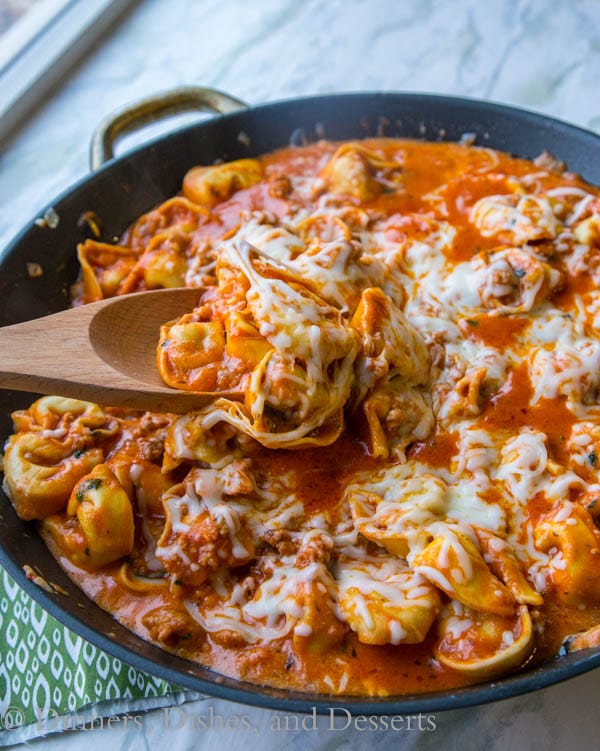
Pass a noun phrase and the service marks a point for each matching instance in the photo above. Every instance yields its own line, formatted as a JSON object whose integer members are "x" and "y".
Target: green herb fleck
{"x": 471, "y": 322}
{"x": 519, "y": 273}
{"x": 185, "y": 636}
{"x": 593, "y": 459}
{"x": 87, "y": 551}
{"x": 179, "y": 582}
{"x": 79, "y": 453}
{"x": 92, "y": 484}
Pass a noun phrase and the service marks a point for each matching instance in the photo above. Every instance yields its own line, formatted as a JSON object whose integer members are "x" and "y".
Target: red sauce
{"x": 437, "y": 451}
{"x": 509, "y": 409}
{"x": 574, "y": 285}
{"x": 321, "y": 472}
{"x": 493, "y": 331}
{"x": 536, "y": 506}
{"x": 467, "y": 243}
{"x": 411, "y": 668}
{"x": 256, "y": 198}
{"x": 442, "y": 181}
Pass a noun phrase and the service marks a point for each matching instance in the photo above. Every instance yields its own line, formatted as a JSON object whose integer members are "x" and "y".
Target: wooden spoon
{"x": 104, "y": 352}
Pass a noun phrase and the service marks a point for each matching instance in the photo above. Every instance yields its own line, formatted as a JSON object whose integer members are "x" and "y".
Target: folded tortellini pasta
{"x": 59, "y": 440}
{"x": 208, "y": 186}
{"x": 384, "y": 601}
{"x": 483, "y": 645}
{"x": 360, "y": 173}
{"x": 266, "y": 338}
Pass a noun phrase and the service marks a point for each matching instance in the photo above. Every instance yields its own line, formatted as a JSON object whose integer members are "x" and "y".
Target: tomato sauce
{"x": 511, "y": 409}
{"x": 499, "y": 332}
{"x": 439, "y": 181}
{"x": 437, "y": 451}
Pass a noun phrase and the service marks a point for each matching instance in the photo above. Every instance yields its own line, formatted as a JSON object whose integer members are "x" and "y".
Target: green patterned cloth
{"x": 48, "y": 673}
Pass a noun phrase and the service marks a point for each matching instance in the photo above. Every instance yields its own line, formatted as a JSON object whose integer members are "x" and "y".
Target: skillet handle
{"x": 131, "y": 117}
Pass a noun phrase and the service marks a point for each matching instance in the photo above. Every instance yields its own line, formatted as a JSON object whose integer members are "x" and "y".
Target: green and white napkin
{"x": 51, "y": 679}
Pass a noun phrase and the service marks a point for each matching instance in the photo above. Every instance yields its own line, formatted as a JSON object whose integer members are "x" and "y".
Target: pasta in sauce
{"x": 394, "y": 489}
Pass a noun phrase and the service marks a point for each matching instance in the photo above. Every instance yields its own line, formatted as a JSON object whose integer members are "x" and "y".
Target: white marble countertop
{"x": 539, "y": 54}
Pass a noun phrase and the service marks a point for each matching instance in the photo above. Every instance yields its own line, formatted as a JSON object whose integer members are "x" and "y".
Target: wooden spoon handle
{"x": 54, "y": 355}
{"x": 37, "y": 354}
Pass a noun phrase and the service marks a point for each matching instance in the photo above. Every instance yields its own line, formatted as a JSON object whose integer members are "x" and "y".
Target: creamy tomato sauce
{"x": 400, "y": 496}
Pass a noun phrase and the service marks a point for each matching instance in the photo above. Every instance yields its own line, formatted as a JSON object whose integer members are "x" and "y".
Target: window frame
{"x": 42, "y": 46}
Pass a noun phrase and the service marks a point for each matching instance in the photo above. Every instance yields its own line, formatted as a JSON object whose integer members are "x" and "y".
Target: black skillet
{"x": 126, "y": 187}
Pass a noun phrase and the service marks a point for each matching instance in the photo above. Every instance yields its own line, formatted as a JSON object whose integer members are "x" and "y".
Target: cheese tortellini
{"x": 355, "y": 171}
{"x": 272, "y": 340}
{"x": 385, "y": 602}
{"x": 513, "y": 280}
{"x": 59, "y": 441}
{"x": 398, "y": 520}
{"x": 208, "y": 186}
{"x": 393, "y": 370}
{"x": 483, "y": 645}
{"x": 516, "y": 217}
{"x": 98, "y": 528}
{"x": 205, "y": 527}
{"x": 453, "y": 563}
{"x": 41, "y": 472}
{"x": 569, "y": 535}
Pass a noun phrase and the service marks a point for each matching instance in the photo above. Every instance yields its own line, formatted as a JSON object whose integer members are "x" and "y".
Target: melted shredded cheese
{"x": 419, "y": 316}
